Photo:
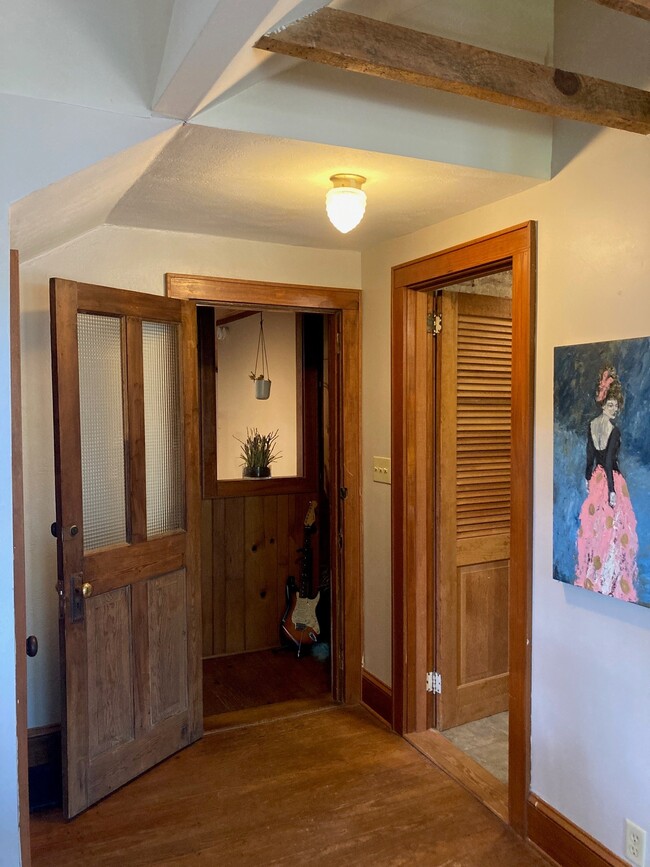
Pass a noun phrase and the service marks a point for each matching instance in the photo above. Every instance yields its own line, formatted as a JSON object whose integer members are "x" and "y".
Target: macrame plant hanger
{"x": 262, "y": 380}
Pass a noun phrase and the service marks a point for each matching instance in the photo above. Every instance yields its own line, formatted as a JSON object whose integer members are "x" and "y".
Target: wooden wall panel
{"x": 248, "y": 550}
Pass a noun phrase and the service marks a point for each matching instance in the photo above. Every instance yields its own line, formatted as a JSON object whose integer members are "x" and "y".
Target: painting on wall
{"x": 601, "y": 468}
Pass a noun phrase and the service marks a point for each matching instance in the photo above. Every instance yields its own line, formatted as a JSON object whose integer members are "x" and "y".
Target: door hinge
{"x": 434, "y": 323}
{"x": 434, "y": 682}
{"x": 338, "y": 342}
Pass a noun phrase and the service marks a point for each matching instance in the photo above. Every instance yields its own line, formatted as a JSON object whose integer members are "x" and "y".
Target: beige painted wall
{"x": 590, "y": 751}
{"x": 134, "y": 259}
{"x": 237, "y": 406}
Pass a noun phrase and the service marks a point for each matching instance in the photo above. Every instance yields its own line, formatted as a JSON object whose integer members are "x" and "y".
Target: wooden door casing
{"x": 344, "y": 341}
{"x": 516, "y": 248}
{"x": 131, "y": 651}
{"x": 472, "y": 462}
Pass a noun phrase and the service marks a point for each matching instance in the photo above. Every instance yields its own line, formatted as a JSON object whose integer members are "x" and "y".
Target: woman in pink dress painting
{"x": 607, "y": 539}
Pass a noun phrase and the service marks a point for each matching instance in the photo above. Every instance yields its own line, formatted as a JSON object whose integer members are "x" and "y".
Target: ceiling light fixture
{"x": 346, "y": 202}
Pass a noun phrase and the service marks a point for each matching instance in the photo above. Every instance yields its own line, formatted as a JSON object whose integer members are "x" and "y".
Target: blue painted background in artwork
{"x": 577, "y": 369}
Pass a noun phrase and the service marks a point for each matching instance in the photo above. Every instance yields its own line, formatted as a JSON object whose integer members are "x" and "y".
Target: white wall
{"x": 590, "y": 686}
{"x": 132, "y": 259}
{"x": 237, "y": 406}
{"x": 40, "y": 144}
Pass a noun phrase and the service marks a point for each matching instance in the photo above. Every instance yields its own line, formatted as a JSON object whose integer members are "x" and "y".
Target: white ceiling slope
{"x": 254, "y": 162}
{"x": 264, "y": 188}
{"x": 50, "y": 217}
{"x": 102, "y": 54}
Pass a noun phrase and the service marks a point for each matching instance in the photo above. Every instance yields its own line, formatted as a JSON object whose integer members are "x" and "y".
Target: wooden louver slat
{"x": 483, "y": 435}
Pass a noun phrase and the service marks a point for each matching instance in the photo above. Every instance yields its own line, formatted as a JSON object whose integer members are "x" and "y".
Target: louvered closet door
{"x": 473, "y": 506}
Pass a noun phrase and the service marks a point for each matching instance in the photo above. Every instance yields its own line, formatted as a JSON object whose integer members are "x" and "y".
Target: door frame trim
{"x": 316, "y": 299}
{"x": 20, "y": 605}
{"x": 411, "y": 492}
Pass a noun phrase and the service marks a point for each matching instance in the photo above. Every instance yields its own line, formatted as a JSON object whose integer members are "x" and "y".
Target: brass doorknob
{"x": 86, "y": 590}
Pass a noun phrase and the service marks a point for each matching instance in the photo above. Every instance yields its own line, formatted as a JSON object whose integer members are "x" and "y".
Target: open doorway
{"x": 474, "y": 666}
{"x": 472, "y": 387}
{"x": 270, "y": 459}
{"x": 318, "y": 503}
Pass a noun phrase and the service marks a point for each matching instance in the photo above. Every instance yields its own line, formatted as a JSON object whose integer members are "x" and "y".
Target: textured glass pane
{"x": 102, "y": 430}
{"x": 162, "y": 427}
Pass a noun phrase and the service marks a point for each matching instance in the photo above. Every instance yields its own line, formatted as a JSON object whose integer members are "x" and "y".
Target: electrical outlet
{"x": 634, "y": 844}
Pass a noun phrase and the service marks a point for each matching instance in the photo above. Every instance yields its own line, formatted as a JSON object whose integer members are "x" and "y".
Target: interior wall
{"x": 133, "y": 259}
{"x": 237, "y": 407}
{"x": 47, "y": 142}
{"x": 590, "y": 751}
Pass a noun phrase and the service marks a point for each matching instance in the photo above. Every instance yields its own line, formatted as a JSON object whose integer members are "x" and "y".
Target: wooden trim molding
{"x": 412, "y": 563}
{"x": 20, "y": 609}
{"x": 44, "y": 745}
{"x": 377, "y": 696}
{"x": 348, "y": 640}
{"x": 256, "y": 293}
{"x": 565, "y": 842}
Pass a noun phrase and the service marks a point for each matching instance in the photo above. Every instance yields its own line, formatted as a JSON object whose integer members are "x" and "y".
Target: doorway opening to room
{"x": 462, "y": 515}
{"x": 281, "y": 620}
{"x": 471, "y": 492}
{"x": 269, "y": 456}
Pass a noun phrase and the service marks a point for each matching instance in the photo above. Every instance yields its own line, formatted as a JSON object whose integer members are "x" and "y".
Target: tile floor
{"x": 486, "y": 741}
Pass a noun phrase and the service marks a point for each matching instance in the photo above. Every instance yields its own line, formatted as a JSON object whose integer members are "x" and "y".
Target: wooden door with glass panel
{"x": 472, "y": 562}
{"x": 127, "y": 498}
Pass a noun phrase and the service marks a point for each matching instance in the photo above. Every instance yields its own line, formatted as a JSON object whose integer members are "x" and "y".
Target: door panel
{"x": 473, "y": 506}
{"x": 125, "y": 404}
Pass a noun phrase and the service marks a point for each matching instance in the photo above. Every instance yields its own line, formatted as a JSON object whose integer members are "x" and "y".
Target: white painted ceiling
{"x": 255, "y": 137}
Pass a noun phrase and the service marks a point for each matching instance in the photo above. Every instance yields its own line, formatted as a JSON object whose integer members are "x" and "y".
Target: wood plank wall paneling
{"x": 249, "y": 548}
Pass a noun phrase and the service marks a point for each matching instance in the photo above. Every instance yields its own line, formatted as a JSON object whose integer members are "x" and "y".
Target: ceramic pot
{"x": 262, "y": 389}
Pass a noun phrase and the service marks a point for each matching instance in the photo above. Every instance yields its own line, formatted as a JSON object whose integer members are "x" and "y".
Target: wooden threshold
{"x": 268, "y": 713}
{"x": 471, "y": 776}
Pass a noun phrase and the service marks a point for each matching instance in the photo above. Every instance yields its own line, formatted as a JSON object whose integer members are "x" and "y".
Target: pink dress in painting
{"x": 607, "y": 538}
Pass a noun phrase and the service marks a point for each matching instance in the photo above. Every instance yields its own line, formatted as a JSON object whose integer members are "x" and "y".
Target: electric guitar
{"x": 299, "y": 622}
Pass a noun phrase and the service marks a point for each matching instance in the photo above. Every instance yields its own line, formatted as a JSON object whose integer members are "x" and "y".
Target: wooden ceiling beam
{"x": 360, "y": 44}
{"x": 639, "y": 8}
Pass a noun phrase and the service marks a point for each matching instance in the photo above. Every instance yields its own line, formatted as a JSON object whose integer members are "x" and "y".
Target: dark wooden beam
{"x": 361, "y": 44}
{"x": 639, "y": 8}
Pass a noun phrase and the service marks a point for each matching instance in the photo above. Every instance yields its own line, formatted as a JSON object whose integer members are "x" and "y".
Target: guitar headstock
{"x": 310, "y": 517}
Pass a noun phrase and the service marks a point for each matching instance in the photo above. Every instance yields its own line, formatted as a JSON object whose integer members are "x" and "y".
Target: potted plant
{"x": 258, "y": 453}
{"x": 262, "y": 386}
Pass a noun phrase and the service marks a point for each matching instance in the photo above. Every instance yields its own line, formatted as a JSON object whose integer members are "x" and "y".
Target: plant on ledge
{"x": 258, "y": 453}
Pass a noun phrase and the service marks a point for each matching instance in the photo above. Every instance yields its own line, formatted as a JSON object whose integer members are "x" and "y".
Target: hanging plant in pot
{"x": 262, "y": 379}
{"x": 258, "y": 453}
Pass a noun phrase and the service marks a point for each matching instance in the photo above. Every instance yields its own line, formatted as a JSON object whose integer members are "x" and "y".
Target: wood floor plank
{"x": 330, "y": 788}
{"x": 246, "y": 680}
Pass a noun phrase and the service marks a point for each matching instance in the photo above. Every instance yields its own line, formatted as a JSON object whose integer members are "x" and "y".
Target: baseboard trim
{"x": 377, "y": 696}
{"x": 44, "y": 745}
{"x": 565, "y": 842}
{"x": 44, "y": 759}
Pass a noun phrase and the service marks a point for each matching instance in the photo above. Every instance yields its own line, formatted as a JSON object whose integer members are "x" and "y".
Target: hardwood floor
{"x": 245, "y": 680}
{"x": 330, "y": 788}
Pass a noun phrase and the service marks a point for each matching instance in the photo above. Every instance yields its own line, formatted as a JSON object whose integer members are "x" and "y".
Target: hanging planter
{"x": 261, "y": 379}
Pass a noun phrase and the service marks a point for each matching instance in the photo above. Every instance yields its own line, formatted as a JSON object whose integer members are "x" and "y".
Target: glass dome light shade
{"x": 346, "y": 202}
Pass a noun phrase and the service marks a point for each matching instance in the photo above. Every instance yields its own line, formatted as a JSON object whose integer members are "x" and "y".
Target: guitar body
{"x": 299, "y": 622}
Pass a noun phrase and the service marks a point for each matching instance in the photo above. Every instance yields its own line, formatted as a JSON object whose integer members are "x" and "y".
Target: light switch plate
{"x": 381, "y": 470}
